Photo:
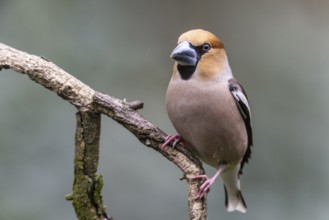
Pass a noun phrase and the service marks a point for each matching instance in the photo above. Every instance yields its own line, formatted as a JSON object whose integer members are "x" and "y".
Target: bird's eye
{"x": 206, "y": 47}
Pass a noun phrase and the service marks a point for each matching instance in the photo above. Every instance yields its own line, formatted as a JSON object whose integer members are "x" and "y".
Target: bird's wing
{"x": 241, "y": 100}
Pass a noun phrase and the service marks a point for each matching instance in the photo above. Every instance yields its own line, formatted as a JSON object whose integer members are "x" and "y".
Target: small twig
{"x": 136, "y": 105}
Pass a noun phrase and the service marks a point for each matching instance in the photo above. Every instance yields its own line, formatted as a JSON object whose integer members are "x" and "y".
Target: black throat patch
{"x": 185, "y": 72}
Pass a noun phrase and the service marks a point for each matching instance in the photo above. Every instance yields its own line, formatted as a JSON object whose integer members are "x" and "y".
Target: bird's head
{"x": 201, "y": 53}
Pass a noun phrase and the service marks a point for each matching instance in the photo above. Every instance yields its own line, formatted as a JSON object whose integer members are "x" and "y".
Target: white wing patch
{"x": 240, "y": 97}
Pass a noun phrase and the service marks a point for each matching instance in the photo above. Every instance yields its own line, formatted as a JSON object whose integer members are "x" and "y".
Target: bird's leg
{"x": 174, "y": 138}
{"x": 205, "y": 187}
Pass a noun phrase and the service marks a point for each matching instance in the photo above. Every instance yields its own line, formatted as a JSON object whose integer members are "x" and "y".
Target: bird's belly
{"x": 211, "y": 126}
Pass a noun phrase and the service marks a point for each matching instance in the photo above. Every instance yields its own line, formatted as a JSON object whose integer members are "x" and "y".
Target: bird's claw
{"x": 205, "y": 187}
{"x": 174, "y": 138}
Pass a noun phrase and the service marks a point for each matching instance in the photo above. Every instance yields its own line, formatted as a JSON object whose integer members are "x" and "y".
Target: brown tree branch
{"x": 86, "y": 197}
{"x": 90, "y": 104}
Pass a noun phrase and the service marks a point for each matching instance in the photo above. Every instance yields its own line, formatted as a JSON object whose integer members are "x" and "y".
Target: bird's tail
{"x": 233, "y": 197}
{"x": 234, "y": 200}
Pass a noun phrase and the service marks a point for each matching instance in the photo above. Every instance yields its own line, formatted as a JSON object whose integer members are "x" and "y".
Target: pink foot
{"x": 174, "y": 138}
{"x": 205, "y": 187}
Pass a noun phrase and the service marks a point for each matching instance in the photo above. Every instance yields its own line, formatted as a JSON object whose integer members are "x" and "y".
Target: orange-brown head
{"x": 199, "y": 52}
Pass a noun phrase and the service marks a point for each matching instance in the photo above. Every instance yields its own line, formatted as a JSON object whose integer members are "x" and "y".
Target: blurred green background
{"x": 278, "y": 49}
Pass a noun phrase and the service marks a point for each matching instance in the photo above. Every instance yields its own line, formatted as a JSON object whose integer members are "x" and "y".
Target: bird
{"x": 209, "y": 109}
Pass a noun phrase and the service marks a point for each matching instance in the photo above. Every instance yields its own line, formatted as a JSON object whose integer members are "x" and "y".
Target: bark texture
{"x": 86, "y": 196}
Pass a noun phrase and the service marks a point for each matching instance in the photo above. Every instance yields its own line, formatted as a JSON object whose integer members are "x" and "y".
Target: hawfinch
{"x": 210, "y": 111}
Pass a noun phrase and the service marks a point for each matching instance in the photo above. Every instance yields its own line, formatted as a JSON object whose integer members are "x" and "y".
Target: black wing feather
{"x": 241, "y": 100}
